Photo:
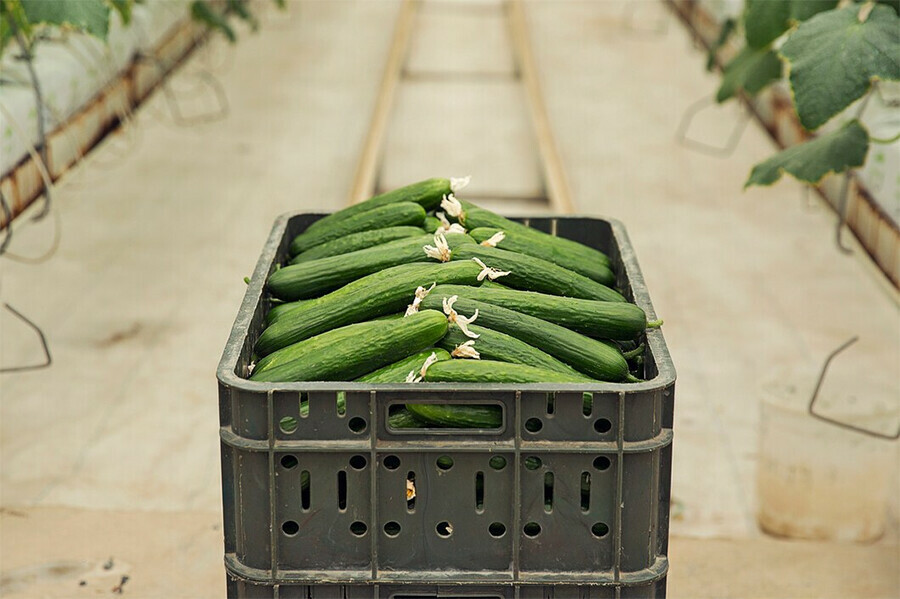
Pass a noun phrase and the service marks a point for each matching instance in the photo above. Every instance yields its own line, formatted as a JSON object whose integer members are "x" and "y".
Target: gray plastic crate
{"x": 352, "y": 533}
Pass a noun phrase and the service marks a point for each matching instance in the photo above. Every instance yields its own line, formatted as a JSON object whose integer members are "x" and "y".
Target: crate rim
{"x": 226, "y": 375}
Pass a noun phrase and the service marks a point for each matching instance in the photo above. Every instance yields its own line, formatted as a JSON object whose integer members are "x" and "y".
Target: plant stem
{"x": 39, "y": 97}
{"x": 882, "y": 140}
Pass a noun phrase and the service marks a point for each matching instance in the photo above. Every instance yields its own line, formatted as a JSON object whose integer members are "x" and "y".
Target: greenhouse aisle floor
{"x": 110, "y": 457}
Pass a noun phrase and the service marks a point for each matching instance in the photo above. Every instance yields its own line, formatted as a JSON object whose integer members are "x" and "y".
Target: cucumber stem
{"x": 634, "y": 353}
{"x": 630, "y": 378}
{"x": 654, "y": 324}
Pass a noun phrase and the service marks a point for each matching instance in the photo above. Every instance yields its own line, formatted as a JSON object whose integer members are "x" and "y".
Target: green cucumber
{"x": 278, "y": 310}
{"x": 403, "y": 213}
{"x": 473, "y": 217}
{"x": 455, "y": 415}
{"x": 431, "y": 224}
{"x": 426, "y": 193}
{"x": 605, "y": 320}
{"x": 339, "y": 355}
{"x": 588, "y": 356}
{"x": 398, "y": 371}
{"x": 535, "y": 274}
{"x": 500, "y": 347}
{"x": 400, "y": 417}
{"x": 516, "y": 241}
{"x": 357, "y": 241}
{"x": 390, "y": 290}
{"x": 312, "y": 279}
{"x": 489, "y": 371}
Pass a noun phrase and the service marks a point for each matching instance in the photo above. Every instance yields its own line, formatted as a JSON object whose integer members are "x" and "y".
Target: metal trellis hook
{"x": 7, "y": 220}
{"x": 661, "y": 27}
{"x": 47, "y": 359}
{"x": 220, "y": 112}
{"x": 705, "y": 148}
{"x": 812, "y": 400}
{"x": 841, "y": 210}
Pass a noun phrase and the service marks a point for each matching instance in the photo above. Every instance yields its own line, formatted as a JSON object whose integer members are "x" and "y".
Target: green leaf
{"x": 89, "y": 16}
{"x": 12, "y": 18}
{"x": 802, "y": 10}
{"x": 765, "y": 21}
{"x": 202, "y": 12}
{"x": 751, "y": 70}
{"x": 895, "y": 4}
{"x": 240, "y": 8}
{"x": 834, "y": 58}
{"x": 123, "y": 7}
{"x": 833, "y": 152}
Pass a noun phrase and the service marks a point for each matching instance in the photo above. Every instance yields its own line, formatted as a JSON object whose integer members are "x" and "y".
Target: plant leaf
{"x": 11, "y": 12}
{"x": 895, "y": 4}
{"x": 802, "y": 10}
{"x": 201, "y": 11}
{"x": 833, "y": 152}
{"x": 834, "y": 58}
{"x": 123, "y": 7}
{"x": 751, "y": 70}
{"x": 241, "y": 9}
{"x": 765, "y": 21}
{"x": 89, "y": 16}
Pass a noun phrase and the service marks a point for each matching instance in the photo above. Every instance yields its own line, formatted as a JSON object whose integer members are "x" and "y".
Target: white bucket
{"x": 816, "y": 480}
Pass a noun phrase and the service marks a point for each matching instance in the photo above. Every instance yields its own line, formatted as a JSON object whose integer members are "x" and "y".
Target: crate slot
{"x": 585, "y": 492}
{"x": 411, "y": 491}
{"x": 289, "y": 461}
{"x": 304, "y": 405}
{"x": 358, "y": 462}
{"x": 548, "y": 492}
{"x": 488, "y": 411}
{"x": 342, "y": 490}
{"x": 551, "y": 403}
{"x": 479, "y": 492}
{"x": 587, "y": 403}
{"x": 305, "y": 484}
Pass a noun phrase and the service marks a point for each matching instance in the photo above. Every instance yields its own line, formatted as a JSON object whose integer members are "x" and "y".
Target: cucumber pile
{"x": 415, "y": 286}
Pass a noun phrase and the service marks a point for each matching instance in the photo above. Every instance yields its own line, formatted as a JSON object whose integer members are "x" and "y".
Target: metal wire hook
{"x": 842, "y": 218}
{"x": 172, "y": 101}
{"x": 661, "y": 26}
{"x": 48, "y": 360}
{"x": 851, "y": 427}
{"x": 704, "y": 148}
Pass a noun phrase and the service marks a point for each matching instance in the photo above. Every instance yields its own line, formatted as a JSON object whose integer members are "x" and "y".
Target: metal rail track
{"x": 555, "y": 183}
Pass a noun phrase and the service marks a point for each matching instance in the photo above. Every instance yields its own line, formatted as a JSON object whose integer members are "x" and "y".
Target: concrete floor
{"x": 113, "y": 452}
